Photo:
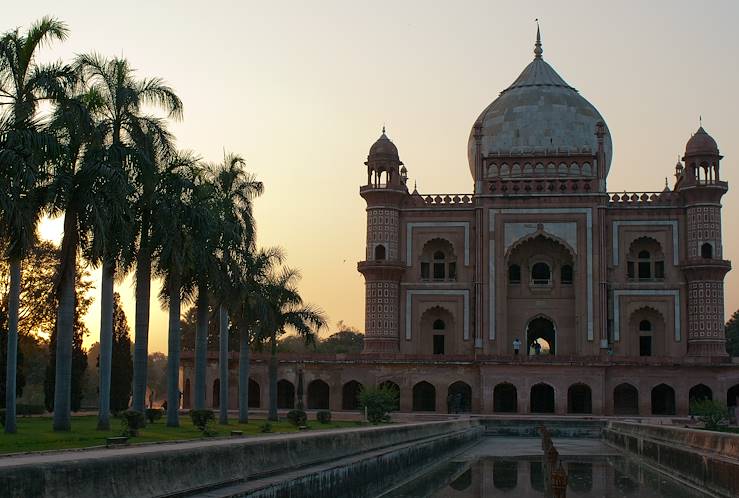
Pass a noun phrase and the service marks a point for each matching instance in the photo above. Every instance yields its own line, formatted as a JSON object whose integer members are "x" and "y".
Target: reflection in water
{"x": 615, "y": 477}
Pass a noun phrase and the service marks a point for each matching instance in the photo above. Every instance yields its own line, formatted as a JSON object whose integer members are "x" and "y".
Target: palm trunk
{"x": 273, "y": 379}
{"x": 106, "y": 345}
{"x": 244, "y": 375}
{"x": 141, "y": 344}
{"x": 223, "y": 364}
{"x": 173, "y": 353}
{"x": 201, "y": 346}
{"x": 12, "y": 357}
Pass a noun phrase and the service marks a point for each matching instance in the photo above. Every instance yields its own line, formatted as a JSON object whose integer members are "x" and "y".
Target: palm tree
{"x": 172, "y": 237}
{"x": 121, "y": 120}
{"x": 25, "y": 150}
{"x": 285, "y": 310}
{"x": 235, "y": 189}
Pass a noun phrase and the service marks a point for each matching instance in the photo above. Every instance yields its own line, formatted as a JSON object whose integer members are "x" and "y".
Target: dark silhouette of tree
{"x": 122, "y": 361}
{"x": 732, "y": 335}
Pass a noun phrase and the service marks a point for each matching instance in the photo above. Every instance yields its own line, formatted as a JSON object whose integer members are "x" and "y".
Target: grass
{"x": 36, "y": 434}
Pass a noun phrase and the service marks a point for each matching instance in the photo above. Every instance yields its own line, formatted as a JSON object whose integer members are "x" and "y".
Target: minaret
{"x": 701, "y": 188}
{"x": 382, "y": 268}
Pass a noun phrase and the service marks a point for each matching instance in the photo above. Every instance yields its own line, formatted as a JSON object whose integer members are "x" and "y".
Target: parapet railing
{"x": 641, "y": 198}
{"x": 550, "y": 186}
{"x": 447, "y": 199}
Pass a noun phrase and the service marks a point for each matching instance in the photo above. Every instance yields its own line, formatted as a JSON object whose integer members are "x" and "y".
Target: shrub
{"x": 131, "y": 422}
{"x": 2, "y": 417}
{"x": 23, "y": 409}
{"x": 201, "y": 419}
{"x": 378, "y": 402}
{"x": 265, "y": 427}
{"x": 153, "y": 414}
{"x": 297, "y": 417}
{"x": 713, "y": 414}
{"x": 323, "y": 416}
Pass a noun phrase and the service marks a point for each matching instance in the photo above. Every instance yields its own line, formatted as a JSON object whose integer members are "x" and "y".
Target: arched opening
{"x": 438, "y": 261}
{"x": 216, "y": 393}
{"x": 379, "y": 252}
{"x": 540, "y": 331}
{"x": 647, "y": 335}
{"x": 645, "y": 338}
{"x": 732, "y": 396}
{"x": 186, "y": 403}
{"x": 424, "y": 397}
{"x": 459, "y": 398}
{"x": 625, "y": 400}
{"x": 389, "y": 384}
{"x": 438, "y": 335}
{"x": 541, "y": 274}
{"x": 438, "y": 327}
{"x": 514, "y": 274}
{"x": 645, "y": 260}
{"x": 255, "y": 393}
{"x": 350, "y": 395}
{"x": 697, "y": 393}
{"x": 663, "y": 400}
{"x": 285, "y": 395}
{"x": 505, "y": 398}
{"x": 565, "y": 274}
{"x": 706, "y": 251}
{"x": 579, "y": 399}
{"x": 505, "y": 474}
{"x": 318, "y": 395}
{"x": 542, "y": 398}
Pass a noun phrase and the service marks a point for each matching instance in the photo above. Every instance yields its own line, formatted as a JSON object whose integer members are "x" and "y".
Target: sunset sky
{"x": 302, "y": 89}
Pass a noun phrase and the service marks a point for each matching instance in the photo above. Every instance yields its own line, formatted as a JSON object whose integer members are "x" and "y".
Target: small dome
{"x": 383, "y": 146}
{"x": 701, "y": 143}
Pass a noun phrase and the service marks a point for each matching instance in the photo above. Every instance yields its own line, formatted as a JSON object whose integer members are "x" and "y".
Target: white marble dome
{"x": 539, "y": 114}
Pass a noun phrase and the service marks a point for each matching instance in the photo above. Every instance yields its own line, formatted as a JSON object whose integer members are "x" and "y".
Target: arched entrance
{"x": 216, "y": 393}
{"x": 255, "y": 394}
{"x": 459, "y": 398}
{"x": 663, "y": 400}
{"x": 700, "y": 392}
{"x": 350, "y": 395}
{"x": 732, "y": 396}
{"x": 505, "y": 398}
{"x": 389, "y": 384}
{"x": 579, "y": 399}
{"x": 424, "y": 397}
{"x": 285, "y": 395}
{"x": 542, "y": 398}
{"x": 625, "y": 400}
{"x": 318, "y": 395}
{"x": 541, "y": 330}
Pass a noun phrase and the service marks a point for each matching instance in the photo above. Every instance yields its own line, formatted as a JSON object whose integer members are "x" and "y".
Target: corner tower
{"x": 382, "y": 269}
{"x": 701, "y": 187}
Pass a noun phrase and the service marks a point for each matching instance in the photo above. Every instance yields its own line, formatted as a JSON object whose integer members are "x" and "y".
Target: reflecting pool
{"x": 474, "y": 475}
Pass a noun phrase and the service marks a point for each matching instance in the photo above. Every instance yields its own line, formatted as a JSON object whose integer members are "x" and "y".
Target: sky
{"x": 302, "y": 89}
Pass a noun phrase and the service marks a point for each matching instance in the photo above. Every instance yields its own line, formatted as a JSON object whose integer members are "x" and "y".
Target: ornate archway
{"x": 541, "y": 330}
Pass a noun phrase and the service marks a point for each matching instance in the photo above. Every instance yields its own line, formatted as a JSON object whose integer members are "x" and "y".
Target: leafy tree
{"x": 378, "y": 402}
{"x": 713, "y": 414}
{"x": 344, "y": 341}
{"x": 78, "y": 354}
{"x": 284, "y": 309}
{"x": 25, "y": 149}
{"x": 732, "y": 335}
{"x": 122, "y": 361}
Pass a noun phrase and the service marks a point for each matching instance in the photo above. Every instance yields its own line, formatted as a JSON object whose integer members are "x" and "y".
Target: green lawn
{"x": 35, "y": 433}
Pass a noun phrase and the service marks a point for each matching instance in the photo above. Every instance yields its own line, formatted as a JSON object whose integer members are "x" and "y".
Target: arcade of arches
{"x": 580, "y": 395}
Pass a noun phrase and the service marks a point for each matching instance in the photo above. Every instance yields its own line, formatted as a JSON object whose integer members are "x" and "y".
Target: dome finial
{"x": 383, "y": 128}
{"x": 537, "y": 46}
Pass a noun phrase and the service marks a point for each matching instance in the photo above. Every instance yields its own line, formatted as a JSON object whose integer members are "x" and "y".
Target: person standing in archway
{"x": 537, "y": 347}
{"x": 516, "y": 346}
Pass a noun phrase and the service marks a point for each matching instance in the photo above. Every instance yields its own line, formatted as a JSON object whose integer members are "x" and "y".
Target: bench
{"x": 237, "y": 433}
{"x": 116, "y": 441}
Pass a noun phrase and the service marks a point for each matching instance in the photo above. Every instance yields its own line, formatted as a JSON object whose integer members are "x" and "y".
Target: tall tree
{"x": 122, "y": 362}
{"x": 173, "y": 239}
{"x": 24, "y": 151}
{"x": 285, "y": 311}
{"x": 732, "y": 335}
{"x": 120, "y": 121}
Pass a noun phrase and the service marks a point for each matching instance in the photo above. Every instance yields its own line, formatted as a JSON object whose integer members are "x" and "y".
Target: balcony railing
{"x": 447, "y": 199}
{"x": 629, "y": 199}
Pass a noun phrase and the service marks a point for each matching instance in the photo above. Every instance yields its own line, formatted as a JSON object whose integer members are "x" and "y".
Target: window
{"x": 453, "y": 271}
{"x": 438, "y": 344}
{"x": 566, "y": 274}
{"x": 540, "y": 274}
{"x": 659, "y": 269}
{"x": 439, "y": 266}
{"x": 514, "y": 274}
{"x": 646, "y": 261}
{"x": 707, "y": 251}
{"x": 644, "y": 265}
{"x": 645, "y": 326}
{"x": 424, "y": 271}
{"x": 379, "y": 252}
{"x": 439, "y": 324}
